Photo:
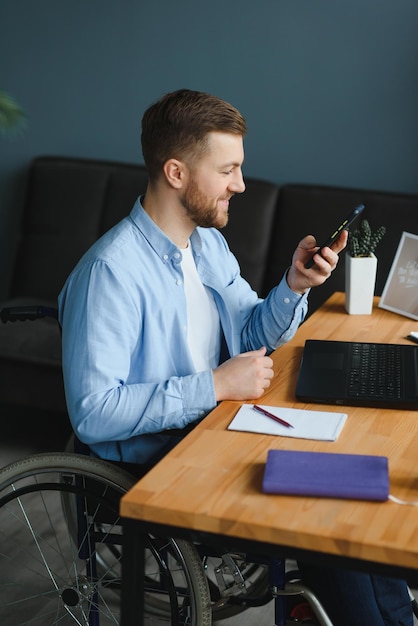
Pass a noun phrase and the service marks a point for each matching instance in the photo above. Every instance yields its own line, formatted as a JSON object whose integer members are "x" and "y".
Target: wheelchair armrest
{"x": 23, "y": 313}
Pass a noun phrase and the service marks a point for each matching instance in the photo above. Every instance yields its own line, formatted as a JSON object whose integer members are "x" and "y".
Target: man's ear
{"x": 174, "y": 171}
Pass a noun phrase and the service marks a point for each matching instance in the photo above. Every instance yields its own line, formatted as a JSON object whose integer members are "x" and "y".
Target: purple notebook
{"x": 355, "y": 476}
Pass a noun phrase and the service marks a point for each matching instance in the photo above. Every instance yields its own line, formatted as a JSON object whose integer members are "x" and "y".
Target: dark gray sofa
{"x": 71, "y": 202}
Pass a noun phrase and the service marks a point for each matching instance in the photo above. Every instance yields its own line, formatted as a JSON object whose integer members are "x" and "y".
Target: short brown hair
{"x": 178, "y": 124}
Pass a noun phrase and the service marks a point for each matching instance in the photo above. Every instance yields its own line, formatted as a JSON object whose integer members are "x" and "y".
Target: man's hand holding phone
{"x": 336, "y": 233}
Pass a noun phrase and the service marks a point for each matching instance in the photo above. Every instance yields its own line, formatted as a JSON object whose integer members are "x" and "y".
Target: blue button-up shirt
{"x": 128, "y": 372}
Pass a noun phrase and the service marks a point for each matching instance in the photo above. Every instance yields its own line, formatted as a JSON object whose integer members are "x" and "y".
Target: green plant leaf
{"x": 12, "y": 115}
{"x": 363, "y": 241}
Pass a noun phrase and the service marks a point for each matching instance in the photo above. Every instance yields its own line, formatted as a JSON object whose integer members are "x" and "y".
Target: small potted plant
{"x": 361, "y": 268}
{"x": 363, "y": 241}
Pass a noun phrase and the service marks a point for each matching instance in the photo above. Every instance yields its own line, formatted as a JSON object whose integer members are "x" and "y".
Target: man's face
{"x": 214, "y": 180}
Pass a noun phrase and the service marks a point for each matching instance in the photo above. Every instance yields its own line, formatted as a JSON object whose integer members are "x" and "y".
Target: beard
{"x": 201, "y": 209}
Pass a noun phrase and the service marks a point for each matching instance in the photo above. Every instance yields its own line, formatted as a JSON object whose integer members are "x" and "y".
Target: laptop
{"x": 365, "y": 374}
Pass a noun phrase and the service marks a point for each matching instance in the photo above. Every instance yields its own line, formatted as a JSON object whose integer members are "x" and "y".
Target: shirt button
{"x": 177, "y": 255}
{"x": 179, "y": 282}
{"x": 286, "y": 300}
{"x": 165, "y": 257}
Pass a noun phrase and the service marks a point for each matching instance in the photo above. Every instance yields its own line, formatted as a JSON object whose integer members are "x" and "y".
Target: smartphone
{"x": 344, "y": 225}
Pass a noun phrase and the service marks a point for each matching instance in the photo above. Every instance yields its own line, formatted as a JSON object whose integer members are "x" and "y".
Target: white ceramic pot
{"x": 360, "y": 280}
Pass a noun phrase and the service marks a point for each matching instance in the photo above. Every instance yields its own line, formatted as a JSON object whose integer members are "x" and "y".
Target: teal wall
{"x": 329, "y": 87}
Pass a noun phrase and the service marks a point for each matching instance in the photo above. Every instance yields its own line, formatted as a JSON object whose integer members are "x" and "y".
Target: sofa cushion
{"x": 70, "y": 203}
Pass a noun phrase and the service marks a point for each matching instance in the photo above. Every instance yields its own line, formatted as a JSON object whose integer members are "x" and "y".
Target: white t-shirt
{"x": 203, "y": 324}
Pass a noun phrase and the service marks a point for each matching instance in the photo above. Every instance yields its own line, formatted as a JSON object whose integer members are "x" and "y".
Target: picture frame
{"x": 400, "y": 293}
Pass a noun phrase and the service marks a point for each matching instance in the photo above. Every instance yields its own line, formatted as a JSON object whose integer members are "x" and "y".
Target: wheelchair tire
{"x": 48, "y": 568}
{"x": 227, "y": 597}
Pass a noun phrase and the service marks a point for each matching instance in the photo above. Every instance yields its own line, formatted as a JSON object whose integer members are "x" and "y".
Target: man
{"x": 158, "y": 325}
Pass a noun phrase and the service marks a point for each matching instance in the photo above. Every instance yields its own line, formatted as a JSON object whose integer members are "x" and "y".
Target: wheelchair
{"x": 59, "y": 521}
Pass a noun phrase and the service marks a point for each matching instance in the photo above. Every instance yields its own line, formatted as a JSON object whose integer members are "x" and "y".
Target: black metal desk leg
{"x": 133, "y": 572}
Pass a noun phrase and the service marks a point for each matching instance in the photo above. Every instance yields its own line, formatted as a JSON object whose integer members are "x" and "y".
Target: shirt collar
{"x": 158, "y": 240}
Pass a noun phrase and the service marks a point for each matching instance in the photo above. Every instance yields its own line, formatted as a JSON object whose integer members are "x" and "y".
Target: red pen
{"x": 273, "y": 417}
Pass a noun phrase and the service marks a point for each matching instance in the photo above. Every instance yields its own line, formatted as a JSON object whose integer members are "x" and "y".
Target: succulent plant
{"x": 363, "y": 241}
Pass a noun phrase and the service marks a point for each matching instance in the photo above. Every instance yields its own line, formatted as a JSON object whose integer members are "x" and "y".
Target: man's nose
{"x": 237, "y": 184}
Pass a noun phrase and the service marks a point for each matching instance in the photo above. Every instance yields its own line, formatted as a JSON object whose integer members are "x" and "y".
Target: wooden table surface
{"x": 211, "y": 482}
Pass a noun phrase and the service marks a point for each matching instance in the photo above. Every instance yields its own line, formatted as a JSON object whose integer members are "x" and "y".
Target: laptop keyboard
{"x": 375, "y": 371}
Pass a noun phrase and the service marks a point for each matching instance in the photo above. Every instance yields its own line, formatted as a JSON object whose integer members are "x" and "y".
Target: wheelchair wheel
{"x": 235, "y": 582}
{"x": 53, "y": 571}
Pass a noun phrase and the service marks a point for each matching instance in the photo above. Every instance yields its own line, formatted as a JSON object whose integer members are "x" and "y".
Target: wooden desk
{"x": 210, "y": 484}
